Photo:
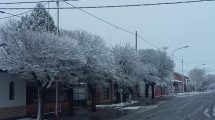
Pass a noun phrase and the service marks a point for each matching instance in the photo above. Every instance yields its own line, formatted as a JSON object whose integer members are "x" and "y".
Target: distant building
{"x": 178, "y": 82}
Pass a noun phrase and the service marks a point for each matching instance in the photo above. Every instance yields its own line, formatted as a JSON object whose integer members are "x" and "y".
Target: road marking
{"x": 214, "y": 111}
{"x": 206, "y": 113}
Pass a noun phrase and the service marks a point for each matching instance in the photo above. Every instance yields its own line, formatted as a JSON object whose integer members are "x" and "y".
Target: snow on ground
{"x": 131, "y": 108}
{"x": 146, "y": 108}
{"x": 118, "y": 105}
{"x": 206, "y": 113}
{"x": 26, "y": 119}
{"x": 186, "y": 94}
{"x": 143, "y": 108}
{"x": 214, "y": 111}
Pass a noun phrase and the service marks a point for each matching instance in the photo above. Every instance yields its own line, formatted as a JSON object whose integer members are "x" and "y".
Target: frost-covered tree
{"x": 160, "y": 66}
{"x": 99, "y": 69}
{"x": 128, "y": 67}
{"x": 210, "y": 80}
{"x": 38, "y": 20}
{"x": 151, "y": 71}
{"x": 165, "y": 66}
{"x": 197, "y": 76}
{"x": 160, "y": 62}
{"x": 40, "y": 57}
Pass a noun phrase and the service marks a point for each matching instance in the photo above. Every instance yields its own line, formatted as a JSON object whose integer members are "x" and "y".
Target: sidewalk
{"x": 112, "y": 111}
{"x": 109, "y": 113}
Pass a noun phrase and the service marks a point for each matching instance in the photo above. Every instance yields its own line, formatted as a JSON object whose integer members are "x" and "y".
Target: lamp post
{"x": 173, "y": 68}
{"x": 195, "y": 79}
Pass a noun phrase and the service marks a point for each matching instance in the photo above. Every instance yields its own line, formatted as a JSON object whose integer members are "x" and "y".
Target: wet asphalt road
{"x": 196, "y": 107}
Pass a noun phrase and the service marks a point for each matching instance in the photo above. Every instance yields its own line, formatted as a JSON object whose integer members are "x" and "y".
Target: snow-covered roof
{"x": 177, "y": 81}
{"x": 161, "y": 84}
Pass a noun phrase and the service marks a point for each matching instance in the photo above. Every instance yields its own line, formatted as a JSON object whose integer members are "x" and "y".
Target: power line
{"x": 80, "y": 8}
{"x": 15, "y": 15}
{"x": 115, "y": 6}
{"x": 148, "y": 42}
{"x": 20, "y": 2}
{"x": 151, "y": 4}
{"x": 103, "y": 20}
{"x": 115, "y": 26}
{"x": 12, "y": 15}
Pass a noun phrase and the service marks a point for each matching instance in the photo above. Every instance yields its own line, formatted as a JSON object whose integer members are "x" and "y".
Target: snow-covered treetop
{"x": 160, "y": 64}
{"x": 127, "y": 65}
{"x": 39, "y": 56}
{"x": 99, "y": 68}
{"x": 38, "y": 20}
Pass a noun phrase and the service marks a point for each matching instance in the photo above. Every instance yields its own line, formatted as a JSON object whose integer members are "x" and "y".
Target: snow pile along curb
{"x": 118, "y": 105}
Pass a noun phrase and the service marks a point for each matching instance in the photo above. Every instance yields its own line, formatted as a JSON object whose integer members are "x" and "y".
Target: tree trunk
{"x": 121, "y": 97}
{"x": 70, "y": 98}
{"x": 137, "y": 91}
{"x": 40, "y": 115}
{"x": 120, "y": 94}
{"x": 161, "y": 91}
{"x": 146, "y": 91}
{"x": 56, "y": 101}
{"x": 111, "y": 92}
{"x": 153, "y": 92}
{"x": 93, "y": 105}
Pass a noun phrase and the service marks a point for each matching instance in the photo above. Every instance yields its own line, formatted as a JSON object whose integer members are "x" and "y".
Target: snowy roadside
{"x": 187, "y": 94}
{"x": 116, "y": 106}
{"x": 140, "y": 110}
{"x": 122, "y": 106}
{"x": 26, "y": 119}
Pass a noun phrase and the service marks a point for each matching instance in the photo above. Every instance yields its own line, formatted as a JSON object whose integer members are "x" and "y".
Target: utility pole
{"x": 182, "y": 72}
{"x": 48, "y": 17}
{"x": 58, "y": 16}
{"x": 136, "y": 41}
{"x": 56, "y": 89}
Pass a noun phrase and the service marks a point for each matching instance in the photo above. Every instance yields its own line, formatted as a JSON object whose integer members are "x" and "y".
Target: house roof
{"x": 178, "y": 76}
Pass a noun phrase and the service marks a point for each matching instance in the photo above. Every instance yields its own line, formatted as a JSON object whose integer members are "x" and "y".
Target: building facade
{"x": 181, "y": 83}
{"x": 12, "y": 96}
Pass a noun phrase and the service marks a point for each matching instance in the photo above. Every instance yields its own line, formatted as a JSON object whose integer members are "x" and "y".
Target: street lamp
{"x": 178, "y": 49}
{"x": 173, "y": 68}
{"x": 195, "y": 79}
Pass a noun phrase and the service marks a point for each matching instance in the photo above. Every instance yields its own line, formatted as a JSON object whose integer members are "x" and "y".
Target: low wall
{"x": 11, "y": 112}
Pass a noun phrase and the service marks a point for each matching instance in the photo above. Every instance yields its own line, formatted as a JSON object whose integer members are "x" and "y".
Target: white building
{"x": 12, "y": 96}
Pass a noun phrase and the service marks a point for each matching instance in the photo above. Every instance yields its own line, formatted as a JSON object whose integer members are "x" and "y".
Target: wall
{"x": 16, "y": 107}
{"x": 100, "y": 94}
{"x": 142, "y": 89}
{"x": 20, "y": 91}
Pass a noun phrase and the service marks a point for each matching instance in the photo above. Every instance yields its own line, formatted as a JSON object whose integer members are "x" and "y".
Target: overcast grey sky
{"x": 171, "y": 26}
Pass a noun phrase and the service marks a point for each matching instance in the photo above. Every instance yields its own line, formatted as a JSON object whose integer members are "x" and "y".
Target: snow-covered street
{"x": 186, "y": 94}
{"x": 199, "y": 106}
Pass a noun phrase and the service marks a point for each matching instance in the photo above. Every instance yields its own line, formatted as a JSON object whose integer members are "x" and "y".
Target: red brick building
{"x": 181, "y": 82}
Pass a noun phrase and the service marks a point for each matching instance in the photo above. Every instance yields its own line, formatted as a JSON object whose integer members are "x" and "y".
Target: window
{"x": 106, "y": 93}
{"x": 79, "y": 94}
{"x": 11, "y": 91}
